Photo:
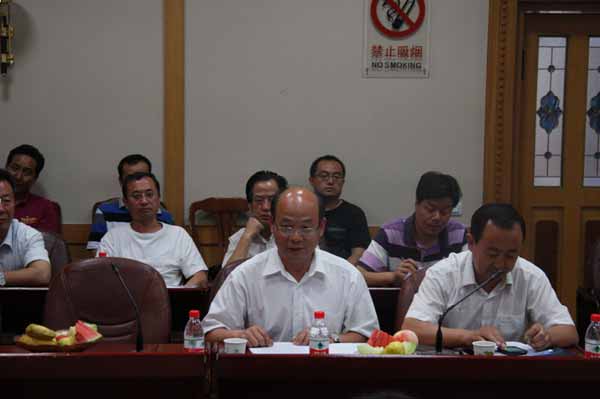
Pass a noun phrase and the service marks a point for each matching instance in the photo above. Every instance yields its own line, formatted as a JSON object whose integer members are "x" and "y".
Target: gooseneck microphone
{"x": 139, "y": 337}
{"x": 439, "y": 337}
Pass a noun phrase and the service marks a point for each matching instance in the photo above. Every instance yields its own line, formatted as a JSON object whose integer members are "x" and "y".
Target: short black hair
{"x": 138, "y": 176}
{"x": 278, "y": 196}
{"x": 6, "y": 176}
{"x": 504, "y": 216}
{"x": 264, "y": 175}
{"x": 436, "y": 185}
{"x": 30, "y": 151}
{"x": 328, "y": 157}
{"x": 132, "y": 159}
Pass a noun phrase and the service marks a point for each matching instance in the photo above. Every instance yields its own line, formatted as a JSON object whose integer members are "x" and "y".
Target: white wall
{"x": 274, "y": 84}
{"x": 86, "y": 90}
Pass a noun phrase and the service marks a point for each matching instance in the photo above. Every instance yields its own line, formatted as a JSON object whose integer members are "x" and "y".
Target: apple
{"x": 406, "y": 336}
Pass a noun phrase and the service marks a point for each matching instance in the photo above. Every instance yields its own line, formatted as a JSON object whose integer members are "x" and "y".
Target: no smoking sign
{"x": 397, "y": 19}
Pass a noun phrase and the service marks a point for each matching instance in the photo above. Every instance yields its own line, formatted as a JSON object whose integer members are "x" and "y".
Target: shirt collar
{"x": 8, "y": 240}
{"x": 275, "y": 265}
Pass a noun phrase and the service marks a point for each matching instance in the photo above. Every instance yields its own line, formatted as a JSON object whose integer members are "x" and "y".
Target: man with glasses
{"x": 404, "y": 245}
{"x": 256, "y": 237}
{"x": 23, "y": 258}
{"x": 346, "y": 233}
{"x": 273, "y": 296}
{"x": 167, "y": 248}
{"x": 25, "y": 163}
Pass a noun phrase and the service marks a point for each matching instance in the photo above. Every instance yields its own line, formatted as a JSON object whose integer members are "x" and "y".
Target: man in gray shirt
{"x": 23, "y": 258}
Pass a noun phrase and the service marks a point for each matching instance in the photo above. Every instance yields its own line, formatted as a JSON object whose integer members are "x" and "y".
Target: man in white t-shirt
{"x": 169, "y": 249}
{"x": 517, "y": 305}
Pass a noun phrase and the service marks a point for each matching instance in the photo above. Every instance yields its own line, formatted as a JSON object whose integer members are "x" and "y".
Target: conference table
{"x": 104, "y": 370}
{"x": 110, "y": 370}
{"x": 20, "y": 306}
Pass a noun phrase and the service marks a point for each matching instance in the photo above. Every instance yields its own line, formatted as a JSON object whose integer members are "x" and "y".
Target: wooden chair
{"x": 226, "y": 212}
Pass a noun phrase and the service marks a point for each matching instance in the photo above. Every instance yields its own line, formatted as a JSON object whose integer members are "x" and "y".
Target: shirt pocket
{"x": 512, "y": 327}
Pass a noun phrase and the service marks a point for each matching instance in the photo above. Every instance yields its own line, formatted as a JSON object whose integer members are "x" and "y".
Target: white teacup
{"x": 485, "y": 348}
{"x": 235, "y": 345}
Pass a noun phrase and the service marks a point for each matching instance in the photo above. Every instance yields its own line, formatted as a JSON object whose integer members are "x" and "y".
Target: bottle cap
{"x": 319, "y": 314}
{"x": 102, "y": 254}
{"x": 195, "y": 313}
{"x": 595, "y": 317}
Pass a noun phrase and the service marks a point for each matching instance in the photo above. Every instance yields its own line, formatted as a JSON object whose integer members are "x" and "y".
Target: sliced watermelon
{"x": 84, "y": 333}
{"x": 379, "y": 338}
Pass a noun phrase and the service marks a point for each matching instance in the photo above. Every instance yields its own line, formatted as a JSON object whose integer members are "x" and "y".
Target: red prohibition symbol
{"x": 397, "y": 17}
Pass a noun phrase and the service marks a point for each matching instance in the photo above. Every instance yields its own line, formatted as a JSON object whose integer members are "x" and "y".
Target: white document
{"x": 288, "y": 348}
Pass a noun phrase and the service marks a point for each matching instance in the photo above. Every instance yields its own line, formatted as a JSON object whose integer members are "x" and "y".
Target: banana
{"x": 28, "y": 340}
{"x": 40, "y": 332}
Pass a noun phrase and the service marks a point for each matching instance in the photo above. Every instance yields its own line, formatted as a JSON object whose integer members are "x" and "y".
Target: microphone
{"x": 439, "y": 337}
{"x": 139, "y": 338}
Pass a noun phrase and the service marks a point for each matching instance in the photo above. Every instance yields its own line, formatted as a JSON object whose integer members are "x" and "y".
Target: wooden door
{"x": 558, "y": 171}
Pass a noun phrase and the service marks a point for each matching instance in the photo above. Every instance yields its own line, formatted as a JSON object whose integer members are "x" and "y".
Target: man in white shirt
{"x": 23, "y": 258}
{"x": 256, "y": 237}
{"x": 272, "y": 297}
{"x": 169, "y": 249}
{"x": 518, "y": 305}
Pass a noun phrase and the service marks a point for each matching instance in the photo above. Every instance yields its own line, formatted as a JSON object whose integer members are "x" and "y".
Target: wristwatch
{"x": 335, "y": 338}
{"x": 2, "y": 279}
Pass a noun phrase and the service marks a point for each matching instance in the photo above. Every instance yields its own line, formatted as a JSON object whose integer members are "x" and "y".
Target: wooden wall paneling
{"x": 174, "y": 106}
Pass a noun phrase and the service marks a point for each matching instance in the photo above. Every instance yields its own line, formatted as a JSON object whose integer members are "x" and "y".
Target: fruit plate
{"x": 56, "y": 348}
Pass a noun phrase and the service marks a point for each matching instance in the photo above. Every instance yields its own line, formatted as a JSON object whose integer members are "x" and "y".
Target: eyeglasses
{"x": 288, "y": 231}
{"x": 326, "y": 176}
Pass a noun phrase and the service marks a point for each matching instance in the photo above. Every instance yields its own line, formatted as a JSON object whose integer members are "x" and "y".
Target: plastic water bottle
{"x": 193, "y": 335}
{"x": 592, "y": 338}
{"x": 318, "y": 341}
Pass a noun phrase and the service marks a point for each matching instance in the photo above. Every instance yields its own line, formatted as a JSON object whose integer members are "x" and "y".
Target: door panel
{"x": 556, "y": 205}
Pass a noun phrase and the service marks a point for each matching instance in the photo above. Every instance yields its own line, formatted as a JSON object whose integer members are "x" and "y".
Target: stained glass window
{"x": 552, "y": 53}
{"x": 591, "y": 158}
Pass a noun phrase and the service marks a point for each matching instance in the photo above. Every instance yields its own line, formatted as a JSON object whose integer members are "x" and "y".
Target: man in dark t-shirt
{"x": 346, "y": 233}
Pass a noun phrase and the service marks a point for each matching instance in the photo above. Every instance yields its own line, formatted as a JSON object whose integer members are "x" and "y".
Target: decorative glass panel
{"x": 591, "y": 158}
{"x": 549, "y": 114}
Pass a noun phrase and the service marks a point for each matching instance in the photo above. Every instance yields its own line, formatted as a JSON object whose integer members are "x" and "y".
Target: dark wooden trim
{"x": 174, "y": 108}
{"x": 501, "y": 79}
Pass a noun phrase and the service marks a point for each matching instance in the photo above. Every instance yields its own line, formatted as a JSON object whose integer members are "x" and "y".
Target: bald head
{"x": 296, "y": 196}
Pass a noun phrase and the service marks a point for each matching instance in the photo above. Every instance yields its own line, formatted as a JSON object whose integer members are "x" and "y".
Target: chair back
{"x": 91, "y": 291}
{"x": 222, "y": 276}
{"x": 594, "y": 266}
{"x": 225, "y": 211}
{"x": 408, "y": 289}
{"x": 58, "y": 251}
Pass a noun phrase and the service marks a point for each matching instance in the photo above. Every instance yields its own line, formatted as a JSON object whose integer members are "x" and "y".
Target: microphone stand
{"x": 439, "y": 337}
{"x": 139, "y": 338}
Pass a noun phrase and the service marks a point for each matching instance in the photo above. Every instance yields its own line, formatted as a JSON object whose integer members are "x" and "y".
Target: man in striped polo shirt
{"x": 405, "y": 245}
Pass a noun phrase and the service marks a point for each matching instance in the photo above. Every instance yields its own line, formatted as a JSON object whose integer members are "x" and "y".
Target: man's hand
{"x": 404, "y": 270}
{"x": 256, "y": 336}
{"x": 488, "y": 333}
{"x": 302, "y": 337}
{"x": 537, "y": 337}
{"x": 253, "y": 227}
